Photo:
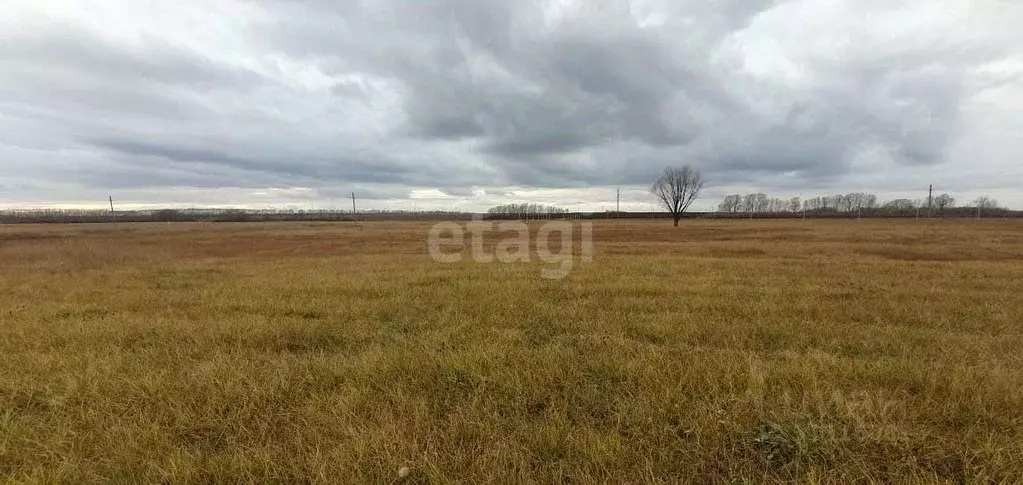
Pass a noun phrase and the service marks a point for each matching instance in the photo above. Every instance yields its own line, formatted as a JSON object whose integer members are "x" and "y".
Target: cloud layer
{"x": 301, "y": 102}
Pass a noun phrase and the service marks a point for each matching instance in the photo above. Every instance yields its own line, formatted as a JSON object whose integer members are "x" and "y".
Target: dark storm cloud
{"x": 310, "y": 168}
{"x": 492, "y": 72}
{"x": 485, "y": 70}
{"x": 456, "y": 94}
{"x": 77, "y": 73}
{"x": 68, "y": 50}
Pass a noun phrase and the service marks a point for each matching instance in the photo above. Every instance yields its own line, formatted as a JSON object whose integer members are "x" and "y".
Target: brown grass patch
{"x": 809, "y": 351}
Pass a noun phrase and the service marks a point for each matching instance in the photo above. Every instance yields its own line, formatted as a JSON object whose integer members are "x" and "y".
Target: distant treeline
{"x": 526, "y": 209}
{"x": 81, "y": 216}
{"x": 73, "y": 216}
{"x": 859, "y": 203}
{"x": 57, "y": 216}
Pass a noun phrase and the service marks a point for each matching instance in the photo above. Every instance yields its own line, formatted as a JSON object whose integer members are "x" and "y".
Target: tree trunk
{"x": 676, "y": 221}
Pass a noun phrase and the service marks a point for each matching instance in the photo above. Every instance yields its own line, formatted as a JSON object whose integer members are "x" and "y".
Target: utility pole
{"x": 354, "y": 216}
{"x": 930, "y": 193}
{"x": 111, "y": 203}
{"x": 618, "y": 204}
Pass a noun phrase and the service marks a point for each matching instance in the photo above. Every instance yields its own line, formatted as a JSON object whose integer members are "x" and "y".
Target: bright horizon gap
{"x": 633, "y": 199}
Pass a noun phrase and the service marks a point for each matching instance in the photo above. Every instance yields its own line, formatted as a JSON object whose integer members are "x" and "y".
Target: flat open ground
{"x": 814, "y": 350}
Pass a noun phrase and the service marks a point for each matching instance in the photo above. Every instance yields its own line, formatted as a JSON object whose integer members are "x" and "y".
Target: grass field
{"x": 816, "y": 351}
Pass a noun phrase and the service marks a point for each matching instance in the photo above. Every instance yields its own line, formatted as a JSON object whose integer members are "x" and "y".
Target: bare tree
{"x": 749, "y": 203}
{"x": 985, "y": 202}
{"x": 762, "y": 202}
{"x": 944, "y": 201}
{"x": 677, "y": 188}
{"x": 900, "y": 205}
{"x": 755, "y": 203}
{"x": 731, "y": 204}
{"x": 776, "y": 205}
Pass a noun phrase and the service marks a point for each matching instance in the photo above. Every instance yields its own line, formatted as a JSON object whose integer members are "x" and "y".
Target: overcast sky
{"x": 470, "y": 103}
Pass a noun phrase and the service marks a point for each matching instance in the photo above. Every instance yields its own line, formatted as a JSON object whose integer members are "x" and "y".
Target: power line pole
{"x": 355, "y": 216}
{"x": 618, "y": 204}
{"x": 930, "y": 193}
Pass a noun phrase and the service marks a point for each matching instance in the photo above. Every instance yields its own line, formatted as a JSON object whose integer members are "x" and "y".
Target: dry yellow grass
{"x": 817, "y": 351}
